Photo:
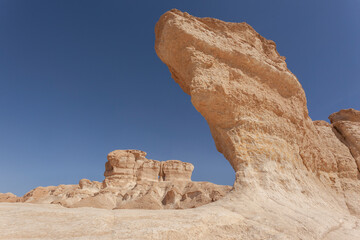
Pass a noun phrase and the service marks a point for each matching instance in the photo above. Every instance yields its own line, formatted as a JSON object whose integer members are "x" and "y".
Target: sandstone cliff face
{"x": 131, "y": 182}
{"x": 255, "y": 107}
{"x": 347, "y": 180}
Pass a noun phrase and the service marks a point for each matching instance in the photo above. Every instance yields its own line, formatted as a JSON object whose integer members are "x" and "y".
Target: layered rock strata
{"x": 131, "y": 166}
{"x": 131, "y": 181}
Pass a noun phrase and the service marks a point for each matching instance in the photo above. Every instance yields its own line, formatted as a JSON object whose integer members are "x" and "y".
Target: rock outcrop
{"x": 295, "y": 178}
{"x": 131, "y": 166}
{"x": 347, "y": 124}
{"x": 131, "y": 181}
{"x": 254, "y": 105}
{"x": 175, "y": 170}
{"x": 9, "y": 197}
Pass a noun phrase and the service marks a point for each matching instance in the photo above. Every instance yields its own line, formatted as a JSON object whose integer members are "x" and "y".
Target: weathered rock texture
{"x": 295, "y": 178}
{"x": 131, "y": 181}
{"x": 130, "y": 166}
{"x": 347, "y": 124}
{"x": 258, "y": 117}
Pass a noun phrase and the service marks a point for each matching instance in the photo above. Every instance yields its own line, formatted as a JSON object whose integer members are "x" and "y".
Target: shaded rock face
{"x": 257, "y": 112}
{"x": 131, "y": 182}
{"x": 347, "y": 180}
{"x": 347, "y": 124}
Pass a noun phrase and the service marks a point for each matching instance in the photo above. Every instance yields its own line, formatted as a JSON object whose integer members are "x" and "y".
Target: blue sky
{"x": 79, "y": 79}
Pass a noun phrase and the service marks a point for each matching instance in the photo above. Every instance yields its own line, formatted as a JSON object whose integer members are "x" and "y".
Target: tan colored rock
{"x": 9, "y": 197}
{"x": 171, "y": 195}
{"x": 254, "y": 105}
{"x": 126, "y": 167}
{"x": 120, "y": 168}
{"x": 175, "y": 170}
{"x": 86, "y": 184}
{"x": 350, "y": 131}
{"x": 347, "y": 124}
{"x": 257, "y": 113}
{"x": 347, "y": 180}
{"x": 345, "y": 162}
{"x": 350, "y": 114}
{"x": 105, "y": 201}
{"x": 51, "y": 194}
{"x": 148, "y": 170}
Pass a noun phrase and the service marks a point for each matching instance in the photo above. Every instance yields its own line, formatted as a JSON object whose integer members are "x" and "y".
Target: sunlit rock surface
{"x": 295, "y": 178}
{"x": 9, "y": 197}
{"x": 256, "y": 110}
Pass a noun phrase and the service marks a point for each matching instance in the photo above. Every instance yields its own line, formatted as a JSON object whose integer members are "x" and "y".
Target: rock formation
{"x": 130, "y": 166}
{"x": 257, "y": 114}
{"x": 131, "y": 181}
{"x": 9, "y": 197}
{"x": 295, "y": 178}
{"x": 347, "y": 124}
{"x": 254, "y": 105}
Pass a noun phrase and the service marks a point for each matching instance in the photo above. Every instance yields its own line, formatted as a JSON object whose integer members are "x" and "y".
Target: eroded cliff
{"x": 256, "y": 109}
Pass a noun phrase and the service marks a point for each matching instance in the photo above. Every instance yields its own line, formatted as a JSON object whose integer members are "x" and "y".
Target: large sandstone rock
{"x": 126, "y": 167}
{"x": 295, "y": 178}
{"x": 254, "y": 105}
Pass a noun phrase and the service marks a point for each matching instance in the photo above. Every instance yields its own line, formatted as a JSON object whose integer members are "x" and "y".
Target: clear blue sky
{"x": 79, "y": 79}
